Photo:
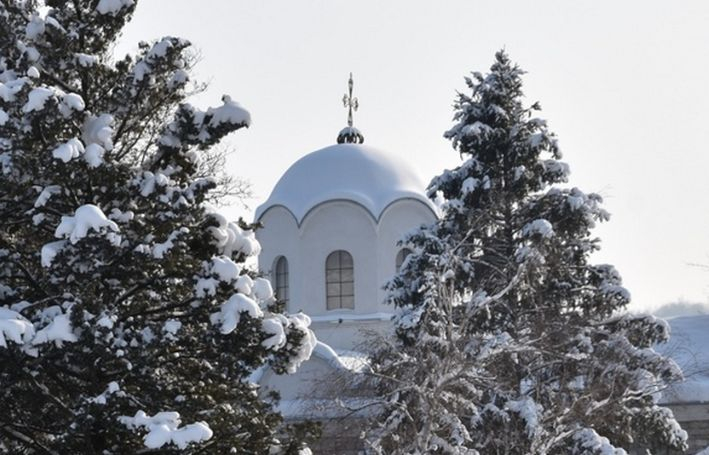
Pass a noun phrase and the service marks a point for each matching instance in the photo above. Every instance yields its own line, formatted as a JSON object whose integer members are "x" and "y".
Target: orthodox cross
{"x": 350, "y": 102}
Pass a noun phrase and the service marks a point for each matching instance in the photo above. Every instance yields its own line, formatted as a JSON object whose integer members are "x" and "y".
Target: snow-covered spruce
{"x": 509, "y": 339}
{"x": 123, "y": 292}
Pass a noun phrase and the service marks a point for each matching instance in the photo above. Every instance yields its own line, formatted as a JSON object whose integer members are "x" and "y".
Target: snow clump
{"x": 230, "y": 313}
{"x": 163, "y": 429}
{"x": 15, "y": 327}
{"x": 230, "y": 112}
{"x": 47, "y": 193}
{"x": 71, "y": 101}
{"x": 226, "y": 269}
{"x": 112, "y": 7}
{"x": 540, "y": 226}
{"x": 50, "y": 251}
{"x": 33, "y": 72}
{"x": 73, "y": 148}
{"x": 591, "y": 442}
{"x": 59, "y": 330}
{"x": 98, "y": 130}
{"x": 85, "y": 218}
{"x": 230, "y": 238}
{"x": 36, "y": 99}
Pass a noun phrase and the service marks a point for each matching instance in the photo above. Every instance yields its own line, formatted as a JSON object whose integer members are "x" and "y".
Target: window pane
{"x": 348, "y": 302}
{"x": 347, "y": 275}
{"x": 333, "y": 303}
{"x": 333, "y": 261}
{"x": 347, "y": 289}
{"x": 332, "y": 276}
{"x": 333, "y": 289}
{"x": 345, "y": 259}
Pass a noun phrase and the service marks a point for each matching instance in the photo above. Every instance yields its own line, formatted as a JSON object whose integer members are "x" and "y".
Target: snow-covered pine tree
{"x": 128, "y": 322}
{"x": 509, "y": 340}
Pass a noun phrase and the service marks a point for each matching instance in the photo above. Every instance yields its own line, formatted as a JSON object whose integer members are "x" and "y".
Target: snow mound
{"x": 357, "y": 173}
{"x": 163, "y": 428}
{"x": 85, "y": 218}
{"x": 353, "y": 361}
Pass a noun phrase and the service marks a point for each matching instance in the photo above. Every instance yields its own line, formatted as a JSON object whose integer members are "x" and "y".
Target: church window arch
{"x": 280, "y": 279}
{"x": 339, "y": 280}
{"x": 401, "y": 257}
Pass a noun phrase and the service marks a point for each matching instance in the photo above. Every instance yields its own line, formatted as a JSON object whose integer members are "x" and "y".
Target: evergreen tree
{"x": 125, "y": 307}
{"x": 509, "y": 340}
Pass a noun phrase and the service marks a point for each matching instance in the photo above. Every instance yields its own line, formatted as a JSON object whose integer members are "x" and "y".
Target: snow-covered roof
{"x": 353, "y": 172}
{"x": 689, "y": 347}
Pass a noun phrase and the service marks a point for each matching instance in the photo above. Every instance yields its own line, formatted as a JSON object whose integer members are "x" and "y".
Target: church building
{"x": 330, "y": 234}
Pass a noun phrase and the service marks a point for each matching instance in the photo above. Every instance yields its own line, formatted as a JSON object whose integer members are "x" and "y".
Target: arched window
{"x": 339, "y": 280}
{"x": 280, "y": 278}
{"x": 401, "y": 257}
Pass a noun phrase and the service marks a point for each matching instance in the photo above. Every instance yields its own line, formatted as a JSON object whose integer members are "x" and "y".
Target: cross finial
{"x": 349, "y": 102}
{"x": 350, "y": 134}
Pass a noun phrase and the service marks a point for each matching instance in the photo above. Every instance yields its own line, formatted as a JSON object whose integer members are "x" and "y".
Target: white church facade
{"x": 330, "y": 241}
{"x": 330, "y": 236}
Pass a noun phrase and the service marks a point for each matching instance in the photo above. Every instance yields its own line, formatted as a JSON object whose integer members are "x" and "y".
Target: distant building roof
{"x": 689, "y": 347}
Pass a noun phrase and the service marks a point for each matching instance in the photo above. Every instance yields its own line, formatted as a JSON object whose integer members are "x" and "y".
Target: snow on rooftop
{"x": 689, "y": 347}
{"x": 353, "y": 172}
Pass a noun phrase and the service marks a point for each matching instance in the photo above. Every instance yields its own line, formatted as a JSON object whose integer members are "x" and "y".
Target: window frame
{"x": 339, "y": 281}
{"x": 281, "y": 279}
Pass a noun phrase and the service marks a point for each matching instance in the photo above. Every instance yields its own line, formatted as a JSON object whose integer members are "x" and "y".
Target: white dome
{"x": 352, "y": 172}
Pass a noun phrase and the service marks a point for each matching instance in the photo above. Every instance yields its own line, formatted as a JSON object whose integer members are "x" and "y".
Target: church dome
{"x": 352, "y": 172}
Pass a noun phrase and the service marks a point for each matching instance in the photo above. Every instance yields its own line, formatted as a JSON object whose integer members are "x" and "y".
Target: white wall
{"x": 399, "y": 218}
{"x": 338, "y": 225}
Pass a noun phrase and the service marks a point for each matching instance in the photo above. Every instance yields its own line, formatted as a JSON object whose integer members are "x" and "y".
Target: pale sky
{"x": 623, "y": 84}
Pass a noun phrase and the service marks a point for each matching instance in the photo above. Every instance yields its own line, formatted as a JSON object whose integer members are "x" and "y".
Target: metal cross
{"x": 350, "y": 102}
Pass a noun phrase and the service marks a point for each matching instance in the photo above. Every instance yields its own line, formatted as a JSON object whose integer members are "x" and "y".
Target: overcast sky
{"x": 623, "y": 84}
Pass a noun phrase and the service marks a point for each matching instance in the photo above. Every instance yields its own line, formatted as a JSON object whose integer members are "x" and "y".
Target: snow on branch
{"x": 588, "y": 441}
{"x": 15, "y": 327}
{"x": 163, "y": 428}
{"x": 85, "y": 218}
{"x": 18, "y": 329}
{"x": 112, "y": 7}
